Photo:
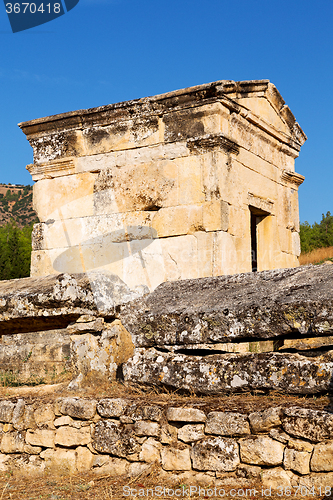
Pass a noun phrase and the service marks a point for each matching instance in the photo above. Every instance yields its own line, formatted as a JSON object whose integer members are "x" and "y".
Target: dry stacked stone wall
{"x": 288, "y": 447}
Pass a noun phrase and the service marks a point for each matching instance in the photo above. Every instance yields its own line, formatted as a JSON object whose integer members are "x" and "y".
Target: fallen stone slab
{"x": 55, "y": 301}
{"x": 262, "y": 305}
{"x": 221, "y": 373}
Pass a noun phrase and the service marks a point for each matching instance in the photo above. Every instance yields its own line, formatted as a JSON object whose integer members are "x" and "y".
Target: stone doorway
{"x": 256, "y": 217}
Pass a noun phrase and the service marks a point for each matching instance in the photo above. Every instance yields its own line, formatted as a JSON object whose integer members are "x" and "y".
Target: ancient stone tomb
{"x": 194, "y": 183}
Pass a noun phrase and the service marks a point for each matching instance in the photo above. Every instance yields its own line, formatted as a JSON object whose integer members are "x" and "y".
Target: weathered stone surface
{"x": 322, "y": 458}
{"x": 279, "y": 435}
{"x": 78, "y": 408}
{"x": 115, "y": 438}
{"x": 41, "y": 437}
{"x": 265, "y": 420}
{"x": 299, "y": 445}
{"x": 151, "y": 451}
{"x": 44, "y": 416}
{"x": 176, "y": 459}
{"x": 60, "y": 460}
{"x": 185, "y": 415}
{"x": 216, "y": 374}
{"x": 276, "y": 478}
{"x": 227, "y": 424}
{"x": 69, "y": 436}
{"x": 308, "y": 424}
{"x": 84, "y": 459}
{"x": 6, "y": 411}
{"x": 298, "y": 461}
{"x": 65, "y": 420}
{"x": 111, "y": 407}
{"x": 13, "y": 442}
{"x": 147, "y": 428}
{"x": 215, "y": 454}
{"x": 65, "y": 297}
{"x": 190, "y": 433}
{"x": 261, "y": 450}
{"x": 261, "y": 305}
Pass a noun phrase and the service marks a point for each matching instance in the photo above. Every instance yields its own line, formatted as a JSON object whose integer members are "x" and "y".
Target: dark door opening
{"x": 254, "y": 247}
{"x": 257, "y": 216}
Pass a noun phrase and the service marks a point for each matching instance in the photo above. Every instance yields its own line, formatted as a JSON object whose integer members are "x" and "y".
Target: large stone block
{"x": 227, "y": 424}
{"x": 114, "y": 438}
{"x": 261, "y": 450}
{"x": 215, "y": 454}
{"x": 322, "y": 458}
{"x": 176, "y": 459}
{"x": 84, "y": 409}
{"x": 309, "y": 424}
{"x": 185, "y": 415}
{"x": 69, "y": 436}
{"x": 223, "y": 309}
{"x": 190, "y": 433}
{"x": 298, "y": 461}
{"x": 41, "y": 437}
{"x": 265, "y": 420}
{"x": 216, "y": 374}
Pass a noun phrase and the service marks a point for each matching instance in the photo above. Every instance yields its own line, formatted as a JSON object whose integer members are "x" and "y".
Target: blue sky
{"x": 105, "y": 51}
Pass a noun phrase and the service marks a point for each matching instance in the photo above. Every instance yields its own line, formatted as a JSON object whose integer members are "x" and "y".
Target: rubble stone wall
{"x": 290, "y": 446}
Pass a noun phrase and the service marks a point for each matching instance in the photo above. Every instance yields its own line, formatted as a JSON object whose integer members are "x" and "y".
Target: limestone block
{"x": 276, "y": 478}
{"x": 44, "y": 416}
{"x": 147, "y": 428}
{"x": 215, "y": 215}
{"x": 285, "y": 239}
{"x": 317, "y": 480}
{"x": 69, "y": 436}
{"x": 65, "y": 420}
{"x": 299, "y": 445}
{"x": 12, "y": 442}
{"x": 64, "y": 197}
{"x": 298, "y": 461}
{"x": 114, "y": 438}
{"x": 84, "y": 459}
{"x": 261, "y": 450}
{"x": 190, "y": 433}
{"x": 309, "y": 424}
{"x": 226, "y": 307}
{"x": 6, "y": 411}
{"x": 227, "y": 424}
{"x": 239, "y": 221}
{"x": 60, "y": 460}
{"x": 190, "y": 187}
{"x": 175, "y": 221}
{"x": 296, "y": 244}
{"x": 176, "y": 459}
{"x": 322, "y": 458}
{"x": 151, "y": 451}
{"x": 18, "y": 415}
{"x": 231, "y": 254}
{"x": 205, "y": 253}
{"x": 114, "y": 467}
{"x": 215, "y": 454}
{"x": 185, "y": 415}
{"x": 168, "y": 434}
{"x": 264, "y": 421}
{"x": 78, "y": 408}
{"x": 179, "y": 257}
{"x": 292, "y": 373}
{"x": 111, "y": 407}
{"x": 140, "y": 187}
{"x": 146, "y": 412}
{"x": 41, "y": 437}
{"x": 32, "y": 450}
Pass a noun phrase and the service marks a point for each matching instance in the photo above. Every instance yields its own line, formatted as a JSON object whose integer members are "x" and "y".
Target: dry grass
{"x": 92, "y": 487}
{"x": 317, "y": 256}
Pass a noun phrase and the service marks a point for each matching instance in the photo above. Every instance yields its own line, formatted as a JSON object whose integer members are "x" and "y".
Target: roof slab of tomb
{"x": 245, "y": 99}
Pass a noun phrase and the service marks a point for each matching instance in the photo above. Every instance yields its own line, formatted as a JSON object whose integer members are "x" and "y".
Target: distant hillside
{"x": 16, "y": 204}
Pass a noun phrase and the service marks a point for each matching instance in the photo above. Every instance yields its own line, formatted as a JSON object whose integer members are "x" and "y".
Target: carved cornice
{"x": 212, "y": 141}
{"x": 50, "y": 170}
{"x": 292, "y": 177}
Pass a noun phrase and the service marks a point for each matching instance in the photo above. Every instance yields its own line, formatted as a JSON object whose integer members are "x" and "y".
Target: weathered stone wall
{"x": 288, "y": 446}
{"x": 162, "y": 188}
